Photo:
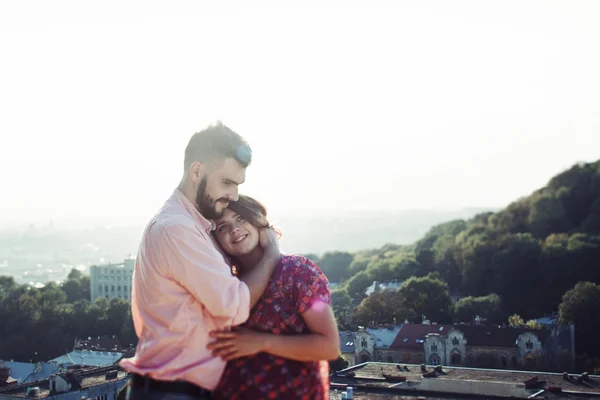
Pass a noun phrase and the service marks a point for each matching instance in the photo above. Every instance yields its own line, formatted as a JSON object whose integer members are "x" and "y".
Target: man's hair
{"x": 216, "y": 143}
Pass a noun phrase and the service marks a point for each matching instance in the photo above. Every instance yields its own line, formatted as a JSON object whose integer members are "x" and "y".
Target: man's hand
{"x": 269, "y": 241}
{"x": 238, "y": 343}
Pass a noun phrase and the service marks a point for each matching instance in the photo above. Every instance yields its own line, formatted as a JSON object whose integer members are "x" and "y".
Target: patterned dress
{"x": 296, "y": 284}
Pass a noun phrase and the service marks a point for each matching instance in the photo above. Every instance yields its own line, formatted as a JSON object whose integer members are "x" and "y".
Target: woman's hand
{"x": 238, "y": 343}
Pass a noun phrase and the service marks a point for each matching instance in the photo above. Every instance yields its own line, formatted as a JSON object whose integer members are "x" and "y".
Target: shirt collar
{"x": 207, "y": 225}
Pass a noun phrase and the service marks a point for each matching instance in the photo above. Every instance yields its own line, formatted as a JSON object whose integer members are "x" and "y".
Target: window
{"x": 390, "y": 359}
{"x": 434, "y": 348}
{"x": 455, "y": 342}
{"x": 503, "y": 361}
{"x": 363, "y": 343}
{"x": 434, "y": 360}
{"x": 529, "y": 345}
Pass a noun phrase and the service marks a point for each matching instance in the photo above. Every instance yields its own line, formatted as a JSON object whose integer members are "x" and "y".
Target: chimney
{"x": 5, "y": 379}
{"x": 4, "y": 374}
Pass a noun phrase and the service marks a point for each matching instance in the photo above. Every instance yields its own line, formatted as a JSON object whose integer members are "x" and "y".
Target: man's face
{"x": 218, "y": 187}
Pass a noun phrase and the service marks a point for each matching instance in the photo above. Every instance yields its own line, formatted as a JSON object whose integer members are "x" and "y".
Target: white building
{"x": 112, "y": 280}
{"x": 373, "y": 343}
{"x": 381, "y": 286}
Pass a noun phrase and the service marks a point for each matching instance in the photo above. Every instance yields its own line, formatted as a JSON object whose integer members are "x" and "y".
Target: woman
{"x": 280, "y": 352}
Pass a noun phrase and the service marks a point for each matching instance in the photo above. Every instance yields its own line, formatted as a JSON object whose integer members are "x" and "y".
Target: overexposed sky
{"x": 347, "y": 105}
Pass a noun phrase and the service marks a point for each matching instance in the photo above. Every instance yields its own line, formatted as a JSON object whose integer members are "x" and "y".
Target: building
{"x": 485, "y": 347}
{"x": 377, "y": 286}
{"x": 408, "y": 345}
{"x": 89, "y": 358}
{"x": 347, "y": 347}
{"x": 373, "y": 343}
{"x": 408, "y": 381}
{"x": 112, "y": 280}
{"x": 72, "y": 384}
{"x": 104, "y": 344}
{"x": 505, "y": 348}
{"x": 23, "y": 372}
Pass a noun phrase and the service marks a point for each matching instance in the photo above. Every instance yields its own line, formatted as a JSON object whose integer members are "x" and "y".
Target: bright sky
{"x": 357, "y": 105}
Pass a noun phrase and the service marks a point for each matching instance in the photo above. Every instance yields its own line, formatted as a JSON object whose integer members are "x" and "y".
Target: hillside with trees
{"x": 525, "y": 261}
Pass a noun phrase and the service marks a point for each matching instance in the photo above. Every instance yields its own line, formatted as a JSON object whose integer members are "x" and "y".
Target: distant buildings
{"x": 72, "y": 383}
{"x": 90, "y": 371}
{"x": 112, "y": 280}
{"x": 462, "y": 345}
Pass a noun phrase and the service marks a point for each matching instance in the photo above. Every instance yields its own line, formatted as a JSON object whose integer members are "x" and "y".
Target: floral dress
{"x": 295, "y": 285}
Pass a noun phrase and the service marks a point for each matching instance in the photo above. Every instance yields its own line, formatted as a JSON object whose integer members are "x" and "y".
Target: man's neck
{"x": 187, "y": 191}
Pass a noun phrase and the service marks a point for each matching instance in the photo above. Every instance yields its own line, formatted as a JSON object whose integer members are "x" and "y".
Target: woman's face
{"x": 236, "y": 236}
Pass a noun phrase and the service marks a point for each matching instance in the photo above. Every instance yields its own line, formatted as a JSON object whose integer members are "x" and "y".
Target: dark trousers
{"x": 142, "y": 388}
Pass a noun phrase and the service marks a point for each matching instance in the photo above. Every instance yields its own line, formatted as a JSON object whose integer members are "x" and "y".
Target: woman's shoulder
{"x": 299, "y": 266}
{"x": 291, "y": 261}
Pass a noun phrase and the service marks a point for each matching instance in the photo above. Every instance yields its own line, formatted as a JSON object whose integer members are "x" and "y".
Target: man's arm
{"x": 195, "y": 264}
{"x": 258, "y": 277}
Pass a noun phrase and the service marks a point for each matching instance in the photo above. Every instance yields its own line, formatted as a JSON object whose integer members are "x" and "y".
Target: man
{"x": 182, "y": 286}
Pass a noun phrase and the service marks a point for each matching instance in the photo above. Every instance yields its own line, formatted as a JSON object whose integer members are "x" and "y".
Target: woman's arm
{"x": 323, "y": 343}
{"x": 311, "y": 298}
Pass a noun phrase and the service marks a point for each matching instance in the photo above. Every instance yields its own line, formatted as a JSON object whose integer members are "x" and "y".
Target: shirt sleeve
{"x": 195, "y": 264}
{"x": 310, "y": 285}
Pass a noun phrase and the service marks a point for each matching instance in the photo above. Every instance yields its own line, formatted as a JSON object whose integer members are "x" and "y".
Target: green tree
{"x": 427, "y": 296}
{"x": 488, "y": 307}
{"x": 358, "y": 264}
{"x": 358, "y": 284}
{"x": 580, "y": 306}
{"x": 385, "y": 307}
{"x": 515, "y": 321}
{"x": 339, "y": 364}
{"x": 426, "y": 260}
{"x": 533, "y": 324}
{"x": 335, "y": 265}
{"x": 514, "y": 265}
{"x": 341, "y": 301}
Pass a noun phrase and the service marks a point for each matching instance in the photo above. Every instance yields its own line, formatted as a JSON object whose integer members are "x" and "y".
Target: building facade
{"x": 112, "y": 280}
{"x": 501, "y": 348}
{"x": 373, "y": 343}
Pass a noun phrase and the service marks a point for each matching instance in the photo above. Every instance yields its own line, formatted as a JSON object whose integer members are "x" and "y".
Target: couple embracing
{"x": 219, "y": 312}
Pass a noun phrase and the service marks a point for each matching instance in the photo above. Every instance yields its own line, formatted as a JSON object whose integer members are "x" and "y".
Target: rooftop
{"x": 89, "y": 357}
{"x": 412, "y": 336}
{"x": 347, "y": 342}
{"x": 451, "y": 382}
{"x": 87, "y": 377}
{"x": 384, "y": 336}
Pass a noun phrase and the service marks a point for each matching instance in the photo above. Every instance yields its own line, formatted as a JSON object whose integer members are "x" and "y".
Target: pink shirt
{"x": 182, "y": 289}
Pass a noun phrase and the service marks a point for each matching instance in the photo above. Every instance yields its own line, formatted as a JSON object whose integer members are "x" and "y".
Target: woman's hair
{"x": 251, "y": 210}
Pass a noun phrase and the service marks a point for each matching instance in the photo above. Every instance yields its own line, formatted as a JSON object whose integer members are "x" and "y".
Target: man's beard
{"x": 206, "y": 204}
